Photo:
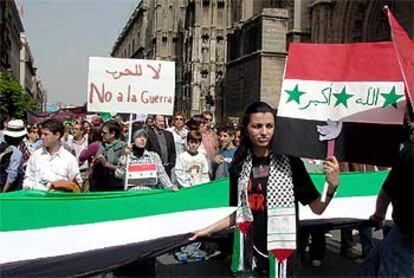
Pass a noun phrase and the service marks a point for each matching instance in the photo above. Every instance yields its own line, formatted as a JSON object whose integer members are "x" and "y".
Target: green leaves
{"x": 14, "y": 103}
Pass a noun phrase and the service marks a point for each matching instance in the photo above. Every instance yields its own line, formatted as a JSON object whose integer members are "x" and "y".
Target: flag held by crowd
{"x": 359, "y": 85}
{"x": 42, "y": 233}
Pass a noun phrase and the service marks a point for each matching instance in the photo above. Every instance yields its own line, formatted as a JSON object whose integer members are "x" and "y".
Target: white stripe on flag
{"x": 359, "y": 102}
{"x": 50, "y": 242}
{"x": 346, "y": 207}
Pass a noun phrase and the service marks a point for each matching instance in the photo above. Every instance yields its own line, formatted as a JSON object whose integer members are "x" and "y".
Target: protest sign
{"x": 130, "y": 86}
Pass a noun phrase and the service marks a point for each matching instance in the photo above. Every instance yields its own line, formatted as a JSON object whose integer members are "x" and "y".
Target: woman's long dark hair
{"x": 195, "y": 122}
{"x": 245, "y": 143}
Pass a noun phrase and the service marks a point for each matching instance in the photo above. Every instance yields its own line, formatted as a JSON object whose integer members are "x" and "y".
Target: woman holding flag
{"x": 147, "y": 170}
{"x": 265, "y": 187}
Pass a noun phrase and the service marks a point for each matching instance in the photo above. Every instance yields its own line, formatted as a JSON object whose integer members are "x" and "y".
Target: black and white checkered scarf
{"x": 281, "y": 221}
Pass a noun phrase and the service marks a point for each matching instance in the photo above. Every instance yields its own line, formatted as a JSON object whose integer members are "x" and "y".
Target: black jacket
{"x": 153, "y": 145}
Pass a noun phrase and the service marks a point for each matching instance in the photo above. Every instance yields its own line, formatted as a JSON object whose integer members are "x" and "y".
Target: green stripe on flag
{"x": 235, "y": 258}
{"x": 353, "y": 184}
{"x": 23, "y": 210}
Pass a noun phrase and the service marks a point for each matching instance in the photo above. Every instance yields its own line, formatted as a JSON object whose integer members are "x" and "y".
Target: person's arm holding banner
{"x": 120, "y": 169}
{"x": 331, "y": 170}
{"x": 100, "y": 159}
{"x": 381, "y": 207}
{"x": 163, "y": 176}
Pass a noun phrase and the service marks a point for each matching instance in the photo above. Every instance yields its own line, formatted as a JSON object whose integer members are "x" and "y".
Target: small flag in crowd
{"x": 359, "y": 85}
{"x": 142, "y": 174}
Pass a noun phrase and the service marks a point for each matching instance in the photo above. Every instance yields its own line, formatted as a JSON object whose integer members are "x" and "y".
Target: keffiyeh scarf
{"x": 281, "y": 214}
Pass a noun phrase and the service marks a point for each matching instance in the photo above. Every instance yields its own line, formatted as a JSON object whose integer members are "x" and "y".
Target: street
{"x": 334, "y": 265}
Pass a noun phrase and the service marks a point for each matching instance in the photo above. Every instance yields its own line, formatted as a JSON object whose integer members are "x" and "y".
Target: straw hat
{"x": 15, "y": 128}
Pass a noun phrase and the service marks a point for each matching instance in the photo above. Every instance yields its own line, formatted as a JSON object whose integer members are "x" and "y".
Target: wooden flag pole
{"x": 126, "y": 155}
{"x": 329, "y": 133}
{"x": 331, "y": 152}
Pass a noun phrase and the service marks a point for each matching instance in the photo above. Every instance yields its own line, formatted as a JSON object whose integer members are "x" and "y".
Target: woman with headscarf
{"x": 151, "y": 176}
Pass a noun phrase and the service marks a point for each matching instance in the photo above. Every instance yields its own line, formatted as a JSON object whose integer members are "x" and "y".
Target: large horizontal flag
{"x": 356, "y": 90}
{"x": 67, "y": 234}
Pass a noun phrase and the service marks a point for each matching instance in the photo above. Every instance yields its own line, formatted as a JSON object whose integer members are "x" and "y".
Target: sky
{"x": 62, "y": 34}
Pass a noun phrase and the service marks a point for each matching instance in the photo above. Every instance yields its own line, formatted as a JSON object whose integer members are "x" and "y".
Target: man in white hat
{"x": 11, "y": 172}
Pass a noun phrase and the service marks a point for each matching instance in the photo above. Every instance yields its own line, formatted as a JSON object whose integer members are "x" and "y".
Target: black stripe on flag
{"x": 91, "y": 262}
{"x": 142, "y": 182}
{"x": 375, "y": 144}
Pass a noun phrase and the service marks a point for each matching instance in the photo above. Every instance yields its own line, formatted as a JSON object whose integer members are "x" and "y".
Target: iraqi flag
{"x": 353, "y": 90}
{"x": 66, "y": 234}
{"x": 404, "y": 49}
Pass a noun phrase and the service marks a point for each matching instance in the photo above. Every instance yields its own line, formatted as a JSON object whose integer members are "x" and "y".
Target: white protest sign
{"x": 131, "y": 86}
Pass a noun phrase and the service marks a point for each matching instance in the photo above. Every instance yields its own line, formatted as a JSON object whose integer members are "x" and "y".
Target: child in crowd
{"x": 191, "y": 169}
{"x": 225, "y": 155}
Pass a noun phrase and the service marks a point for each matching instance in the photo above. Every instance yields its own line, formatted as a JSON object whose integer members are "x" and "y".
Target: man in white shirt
{"x": 77, "y": 143}
{"x": 52, "y": 162}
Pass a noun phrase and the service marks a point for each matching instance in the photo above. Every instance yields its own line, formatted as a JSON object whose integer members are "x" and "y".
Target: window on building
{"x": 233, "y": 46}
{"x": 219, "y": 74}
{"x": 251, "y": 42}
{"x": 204, "y": 73}
{"x": 206, "y": 3}
{"x": 220, "y": 4}
{"x": 205, "y": 37}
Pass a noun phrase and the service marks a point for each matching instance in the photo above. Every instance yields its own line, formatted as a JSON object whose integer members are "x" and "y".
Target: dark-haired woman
{"x": 87, "y": 126}
{"x": 106, "y": 160}
{"x": 266, "y": 187}
{"x": 27, "y": 145}
{"x": 154, "y": 175}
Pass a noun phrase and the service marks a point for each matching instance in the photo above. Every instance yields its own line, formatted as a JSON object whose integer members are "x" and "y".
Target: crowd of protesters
{"x": 94, "y": 155}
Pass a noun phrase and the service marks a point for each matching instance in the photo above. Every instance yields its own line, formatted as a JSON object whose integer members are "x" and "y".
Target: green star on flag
{"x": 342, "y": 98}
{"x": 294, "y": 94}
{"x": 391, "y": 98}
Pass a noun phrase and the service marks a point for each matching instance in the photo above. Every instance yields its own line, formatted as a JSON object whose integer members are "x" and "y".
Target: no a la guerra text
{"x": 101, "y": 95}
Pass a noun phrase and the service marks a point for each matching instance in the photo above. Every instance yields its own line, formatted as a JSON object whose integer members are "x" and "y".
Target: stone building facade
{"x": 256, "y": 55}
{"x": 205, "y": 46}
{"x": 15, "y": 54}
{"x": 155, "y": 30}
{"x": 235, "y": 50}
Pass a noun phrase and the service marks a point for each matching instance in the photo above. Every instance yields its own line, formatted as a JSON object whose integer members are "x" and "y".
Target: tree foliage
{"x": 14, "y": 103}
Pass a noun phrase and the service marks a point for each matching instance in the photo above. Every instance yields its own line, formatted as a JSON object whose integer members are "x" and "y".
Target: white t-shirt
{"x": 191, "y": 170}
{"x": 78, "y": 147}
